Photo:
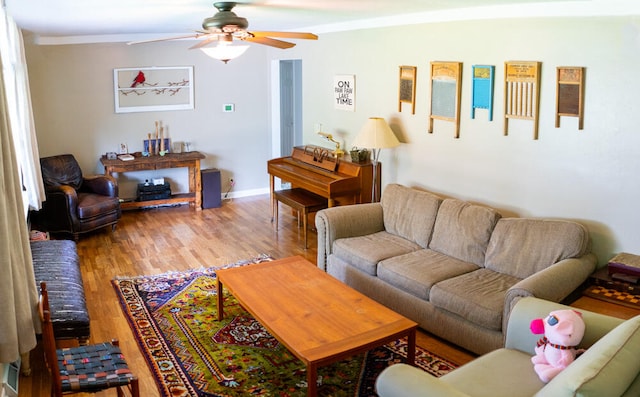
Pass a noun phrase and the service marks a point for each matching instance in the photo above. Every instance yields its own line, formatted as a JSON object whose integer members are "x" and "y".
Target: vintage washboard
{"x": 570, "y": 93}
{"x": 446, "y": 80}
{"x": 522, "y": 93}
{"x": 407, "y": 87}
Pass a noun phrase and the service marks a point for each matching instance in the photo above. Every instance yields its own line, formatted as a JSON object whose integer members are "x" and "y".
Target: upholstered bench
{"x": 57, "y": 263}
{"x": 302, "y": 201}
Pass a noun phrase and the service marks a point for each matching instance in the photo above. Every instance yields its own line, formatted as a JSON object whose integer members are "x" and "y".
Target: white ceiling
{"x": 59, "y": 21}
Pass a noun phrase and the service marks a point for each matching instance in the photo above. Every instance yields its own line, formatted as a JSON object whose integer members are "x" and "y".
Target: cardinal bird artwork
{"x": 139, "y": 79}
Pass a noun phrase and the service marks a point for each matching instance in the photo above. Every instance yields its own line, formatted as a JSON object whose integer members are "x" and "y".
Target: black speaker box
{"x": 211, "y": 188}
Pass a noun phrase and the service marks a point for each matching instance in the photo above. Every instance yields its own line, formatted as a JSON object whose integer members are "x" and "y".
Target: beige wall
{"x": 73, "y": 99}
{"x": 588, "y": 175}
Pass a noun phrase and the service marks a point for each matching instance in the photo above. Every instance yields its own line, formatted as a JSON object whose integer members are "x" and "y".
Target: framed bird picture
{"x": 153, "y": 89}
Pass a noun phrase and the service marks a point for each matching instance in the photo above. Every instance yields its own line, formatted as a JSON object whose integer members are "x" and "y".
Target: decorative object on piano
{"x": 446, "y": 85}
{"x": 482, "y": 96}
{"x": 318, "y": 156}
{"x": 570, "y": 94}
{"x": 359, "y": 155}
{"x": 337, "y": 152}
{"x": 407, "y": 87}
{"x": 376, "y": 134}
{"x": 344, "y": 90}
{"x": 522, "y": 93}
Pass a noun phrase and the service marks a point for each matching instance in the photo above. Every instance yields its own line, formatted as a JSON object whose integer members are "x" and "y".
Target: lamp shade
{"x": 224, "y": 51}
{"x": 376, "y": 134}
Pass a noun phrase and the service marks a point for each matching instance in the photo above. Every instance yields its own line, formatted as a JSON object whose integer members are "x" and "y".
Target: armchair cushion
{"x": 61, "y": 170}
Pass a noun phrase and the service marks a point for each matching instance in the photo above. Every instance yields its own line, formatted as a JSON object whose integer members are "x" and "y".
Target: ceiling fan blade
{"x": 270, "y": 42}
{"x": 189, "y": 36}
{"x": 288, "y": 35}
{"x": 204, "y": 42}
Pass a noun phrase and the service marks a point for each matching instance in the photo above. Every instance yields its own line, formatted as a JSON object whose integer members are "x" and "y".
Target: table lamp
{"x": 375, "y": 135}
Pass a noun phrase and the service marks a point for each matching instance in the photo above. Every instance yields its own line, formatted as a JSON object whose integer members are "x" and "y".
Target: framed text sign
{"x": 407, "y": 87}
{"x": 344, "y": 91}
{"x": 153, "y": 89}
{"x": 570, "y": 94}
{"x": 522, "y": 93}
{"x": 446, "y": 79}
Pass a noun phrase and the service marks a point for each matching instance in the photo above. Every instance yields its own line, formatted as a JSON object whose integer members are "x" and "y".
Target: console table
{"x": 190, "y": 160}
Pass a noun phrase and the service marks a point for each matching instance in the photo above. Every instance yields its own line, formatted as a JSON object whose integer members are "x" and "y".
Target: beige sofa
{"x": 454, "y": 267}
{"x": 610, "y": 366}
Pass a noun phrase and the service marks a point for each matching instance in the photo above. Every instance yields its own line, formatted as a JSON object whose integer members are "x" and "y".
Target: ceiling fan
{"x": 225, "y": 26}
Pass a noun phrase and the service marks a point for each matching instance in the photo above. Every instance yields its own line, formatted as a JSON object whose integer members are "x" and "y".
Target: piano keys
{"x": 314, "y": 169}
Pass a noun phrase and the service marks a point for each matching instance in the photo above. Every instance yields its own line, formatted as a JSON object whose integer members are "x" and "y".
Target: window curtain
{"x": 20, "y": 113}
{"x": 19, "y": 319}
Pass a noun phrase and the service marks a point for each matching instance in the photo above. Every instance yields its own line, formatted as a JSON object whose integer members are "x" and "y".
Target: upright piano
{"x": 315, "y": 169}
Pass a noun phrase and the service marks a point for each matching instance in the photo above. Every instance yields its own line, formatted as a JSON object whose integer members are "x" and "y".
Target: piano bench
{"x": 302, "y": 201}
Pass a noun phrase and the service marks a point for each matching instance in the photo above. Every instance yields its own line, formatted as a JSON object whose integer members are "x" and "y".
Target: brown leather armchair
{"x": 75, "y": 203}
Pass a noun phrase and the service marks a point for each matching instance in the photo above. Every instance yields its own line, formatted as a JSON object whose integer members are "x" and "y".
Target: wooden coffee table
{"x": 317, "y": 317}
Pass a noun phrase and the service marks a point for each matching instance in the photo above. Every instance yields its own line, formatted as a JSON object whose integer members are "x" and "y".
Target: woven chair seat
{"x": 92, "y": 368}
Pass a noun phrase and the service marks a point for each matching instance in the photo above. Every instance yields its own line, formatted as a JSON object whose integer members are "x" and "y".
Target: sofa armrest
{"x": 520, "y": 337}
{"x": 104, "y": 185}
{"x": 553, "y": 283}
{"x": 345, "y": 221}
{"x": 402, "y": 380}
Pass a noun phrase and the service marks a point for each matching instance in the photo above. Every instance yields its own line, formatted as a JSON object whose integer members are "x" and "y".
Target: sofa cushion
{"x": 477, "y": 296}
{"x": 416, "y": 272}
{"x": 462, "y": 230}
{"x": 409, "y": 213}
{"x": 607, "y": 368}
{"x": 521, "y": 247}
{"x": 364, "y": 252}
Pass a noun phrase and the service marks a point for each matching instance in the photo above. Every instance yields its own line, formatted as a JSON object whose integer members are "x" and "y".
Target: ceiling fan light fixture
{"x": 224, "y": 51}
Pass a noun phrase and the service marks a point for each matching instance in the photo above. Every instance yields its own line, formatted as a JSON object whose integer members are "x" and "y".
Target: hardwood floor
{"x": 159, "y": 240}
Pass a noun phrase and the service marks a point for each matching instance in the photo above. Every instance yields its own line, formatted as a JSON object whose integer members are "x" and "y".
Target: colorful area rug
{"x": 173, "y": 317}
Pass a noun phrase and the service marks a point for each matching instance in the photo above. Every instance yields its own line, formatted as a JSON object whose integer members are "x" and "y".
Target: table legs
{"x": 220, "y": 300}
{"x": 411, "y": 347}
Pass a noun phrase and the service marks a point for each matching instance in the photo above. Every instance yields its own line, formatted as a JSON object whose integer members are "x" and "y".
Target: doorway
{"x": 287, "y": 107}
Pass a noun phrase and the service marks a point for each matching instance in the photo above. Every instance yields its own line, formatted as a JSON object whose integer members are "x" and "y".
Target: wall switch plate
{"x": 228, "y": 107}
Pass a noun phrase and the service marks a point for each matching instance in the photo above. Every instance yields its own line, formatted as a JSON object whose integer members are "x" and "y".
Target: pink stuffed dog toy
{"x": 563, "y": 330}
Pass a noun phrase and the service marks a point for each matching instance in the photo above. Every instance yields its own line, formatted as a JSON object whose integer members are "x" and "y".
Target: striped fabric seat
{"x": 92, "y": 368}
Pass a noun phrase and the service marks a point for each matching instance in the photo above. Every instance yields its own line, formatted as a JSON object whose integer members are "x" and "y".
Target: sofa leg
{"x": 113, "y": 227}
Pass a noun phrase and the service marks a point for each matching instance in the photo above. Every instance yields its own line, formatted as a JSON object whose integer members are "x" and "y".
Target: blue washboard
{"x": 482, "y": 97}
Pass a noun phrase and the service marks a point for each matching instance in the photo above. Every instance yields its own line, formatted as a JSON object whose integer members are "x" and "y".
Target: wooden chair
{"x": 83, "y": 369}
